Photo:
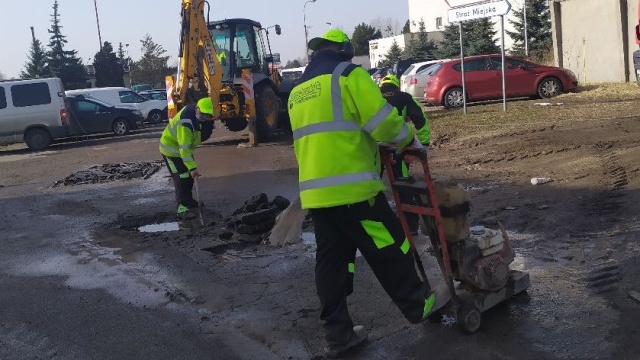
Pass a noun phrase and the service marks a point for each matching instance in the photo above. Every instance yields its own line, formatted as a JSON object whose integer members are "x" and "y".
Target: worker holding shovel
{"x": 338, "y": 117}
{"x": 185, "y": 131}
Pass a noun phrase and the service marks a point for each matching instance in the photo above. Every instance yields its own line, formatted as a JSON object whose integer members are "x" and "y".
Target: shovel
{"x": 195, "y": 180}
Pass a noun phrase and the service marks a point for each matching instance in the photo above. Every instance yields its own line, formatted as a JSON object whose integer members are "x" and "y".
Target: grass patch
{"x": 609, "y": 91}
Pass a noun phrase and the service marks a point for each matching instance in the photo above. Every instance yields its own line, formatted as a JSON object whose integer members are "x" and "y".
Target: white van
{"x": 32, "y": 111}
{"x": 152, "y": 110}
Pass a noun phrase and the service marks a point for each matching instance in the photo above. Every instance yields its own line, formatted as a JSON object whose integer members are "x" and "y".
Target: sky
{"x": 127, "y": 21}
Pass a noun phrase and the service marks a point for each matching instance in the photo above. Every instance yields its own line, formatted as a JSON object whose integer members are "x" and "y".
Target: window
{"x": 87, "y": 107}
{"x": 472, "y": 65}
{"x": 128, "y": 97}
{"x": 159, "y": 96}
{"x": 438, "y": 22}
{"x": 30, "y": 94}
{"x": 3, "y": 98}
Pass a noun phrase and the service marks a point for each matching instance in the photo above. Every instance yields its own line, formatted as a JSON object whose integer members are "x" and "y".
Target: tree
{"x": 387, "y": 26}
{"x": 152, "y": 67}
{"x": 420, "y": 47}
{"x": 36, "y": 65}
{"x": 478, "y": 39}
{"x": 361, "y": 36}
{"x": 406, "y": 29}
{"x": 293, "y": 64}
{"x": 64, "y": 64}
{"x": 394, "y": 54}
{"x": 108, "y": 69}
{"x": 538, "y": 29}
{"x": 123, "y": 59}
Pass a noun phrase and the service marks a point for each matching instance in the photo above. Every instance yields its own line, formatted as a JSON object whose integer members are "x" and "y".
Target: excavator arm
{"x": 198, "y": 60}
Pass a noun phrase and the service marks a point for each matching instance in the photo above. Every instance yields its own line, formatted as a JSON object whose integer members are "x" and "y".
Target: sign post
{"x": 464, "y": 10}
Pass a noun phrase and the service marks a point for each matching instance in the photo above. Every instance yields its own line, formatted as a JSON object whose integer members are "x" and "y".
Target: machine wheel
{"x": 155, "y": 116}
{"x": 235, "y": 124}
{"x": 120, "y": 127}
{"x": 266, "y": 112}
{"x": 453, "y": 98}
{"x": 469, "y": 317}
{"x": 37, "y": 139}
{"x": 549, "y": 87}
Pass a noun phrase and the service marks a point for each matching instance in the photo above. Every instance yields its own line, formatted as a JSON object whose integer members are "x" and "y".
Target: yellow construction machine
{"x": 230, "y": 61}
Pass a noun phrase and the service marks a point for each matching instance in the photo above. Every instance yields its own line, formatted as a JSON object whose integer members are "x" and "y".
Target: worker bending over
{"x": 186, "y": 130}
{"x": 338, "y": 117}
{"x": 411, "y": 111}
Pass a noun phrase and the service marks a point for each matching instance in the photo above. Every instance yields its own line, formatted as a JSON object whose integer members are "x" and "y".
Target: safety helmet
{"x": 337, "y": 36}
{"x": 390, "y": 79}
{"x": 205, "y": 105}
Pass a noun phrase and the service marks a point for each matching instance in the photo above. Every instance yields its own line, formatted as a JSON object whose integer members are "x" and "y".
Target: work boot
{"x": 358, "y": 336}
{"x": 439, "y": 297}
{"x": 193, "y": 204}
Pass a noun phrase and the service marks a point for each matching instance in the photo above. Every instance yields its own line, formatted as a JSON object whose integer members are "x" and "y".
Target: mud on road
{"x": 577, "y": 236}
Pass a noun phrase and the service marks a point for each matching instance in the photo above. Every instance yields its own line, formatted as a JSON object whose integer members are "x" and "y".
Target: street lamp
{"x": 95, "y": 5}
{"x": 306, "y": 32}
{"x": 330, "y": 25}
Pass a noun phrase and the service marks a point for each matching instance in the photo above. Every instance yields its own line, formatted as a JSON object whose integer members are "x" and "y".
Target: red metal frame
{"x": 434, "y": 212}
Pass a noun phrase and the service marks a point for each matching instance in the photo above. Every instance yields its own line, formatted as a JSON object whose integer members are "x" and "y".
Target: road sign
{"x": 494, "y": 8}
{"x": 461, "y": 3}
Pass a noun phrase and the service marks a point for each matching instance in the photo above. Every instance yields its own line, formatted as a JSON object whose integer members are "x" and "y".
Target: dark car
{"x": 483, "y": 80}
{"x": 380, "y": 73}
{"x": 91, "y": 116}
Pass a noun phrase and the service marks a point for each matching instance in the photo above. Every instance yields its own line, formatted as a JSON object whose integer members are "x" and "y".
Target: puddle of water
{"x": 154, "y": 228}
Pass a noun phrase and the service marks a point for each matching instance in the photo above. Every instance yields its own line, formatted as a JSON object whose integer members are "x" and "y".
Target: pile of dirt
{"x": 111, "y": 172}
{"x": 256, "y": 216}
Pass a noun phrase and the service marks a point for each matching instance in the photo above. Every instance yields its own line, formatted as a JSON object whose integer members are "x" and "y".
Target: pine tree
{"x": 108, "y": 69}
{"x": 152, "y": 67}
{"x": 406, "y": 29}
{"x": 36, "y": 66}
{"x": 394, "y": 54}
{"x": 64, "y": 64}
{"x": 420, "y": 47}
{"x": 538, "y": 29}
{"x": 361, "y": 36}
{"x": 478, "y": 39}
{"x": 123, "y": 59}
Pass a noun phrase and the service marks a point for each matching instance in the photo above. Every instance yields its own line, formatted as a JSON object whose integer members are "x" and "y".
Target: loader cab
{"x": 239, "y": 45}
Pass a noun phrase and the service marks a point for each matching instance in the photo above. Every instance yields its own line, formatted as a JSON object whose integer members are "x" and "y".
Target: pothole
{"x": 111, "y": 172}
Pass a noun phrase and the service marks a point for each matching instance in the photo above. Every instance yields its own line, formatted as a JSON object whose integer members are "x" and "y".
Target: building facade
{"x": 595, "y": 38}
{"x": 379, "y": 48}
{"x": 434, "y": 15}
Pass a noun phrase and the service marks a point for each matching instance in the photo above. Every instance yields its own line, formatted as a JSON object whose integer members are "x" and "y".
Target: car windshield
{"x": 291, "y": 75}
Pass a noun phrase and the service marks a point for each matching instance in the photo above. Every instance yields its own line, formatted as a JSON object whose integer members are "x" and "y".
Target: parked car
{"x": 410, "y": 80}
{"x": 400, "y": 66}
{"x": 484, "y": 81}
{"x": 141, "y": 87}
{"x": 154, "y": 111}
{"x": 90, "y": 116}
{"x": 32, "y": 111}
{"x": 379, "y": 74}
{"x": 155, "y": 94}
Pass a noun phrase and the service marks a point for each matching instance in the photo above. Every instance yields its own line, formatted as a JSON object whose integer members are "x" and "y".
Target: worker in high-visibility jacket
{"x": 338, "y": 117}
{"x": 412, "y": 112}
{"x": 186, "y": 130}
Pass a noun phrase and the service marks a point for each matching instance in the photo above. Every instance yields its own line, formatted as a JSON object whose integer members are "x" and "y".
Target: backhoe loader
{"x": 230, "y": 61}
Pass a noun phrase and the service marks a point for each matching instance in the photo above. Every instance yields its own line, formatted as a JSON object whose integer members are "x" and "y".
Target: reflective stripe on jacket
{"x": 181, "y": 136}
{"x": 338, "y": 116}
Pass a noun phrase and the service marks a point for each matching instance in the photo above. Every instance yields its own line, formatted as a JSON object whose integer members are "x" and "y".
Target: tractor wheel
{"x": 266, "y": 112}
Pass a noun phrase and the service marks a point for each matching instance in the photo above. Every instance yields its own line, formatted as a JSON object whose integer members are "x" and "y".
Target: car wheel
{"x": 453, "y": 98}
{"x": 155, "y": 116}
{"x": 549, "y": 87}
{"x": 266, "y": 112}
{"x": 120, "y": 127}
{"x": 37, "y": 139}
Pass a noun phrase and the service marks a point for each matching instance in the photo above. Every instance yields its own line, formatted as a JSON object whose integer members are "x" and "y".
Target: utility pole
{"x": 95, "y": 5}
{"x": 526, "y": 35}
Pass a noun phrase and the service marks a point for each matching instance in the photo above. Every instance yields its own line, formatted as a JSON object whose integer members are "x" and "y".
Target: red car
{"x": 483, "y": 77}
